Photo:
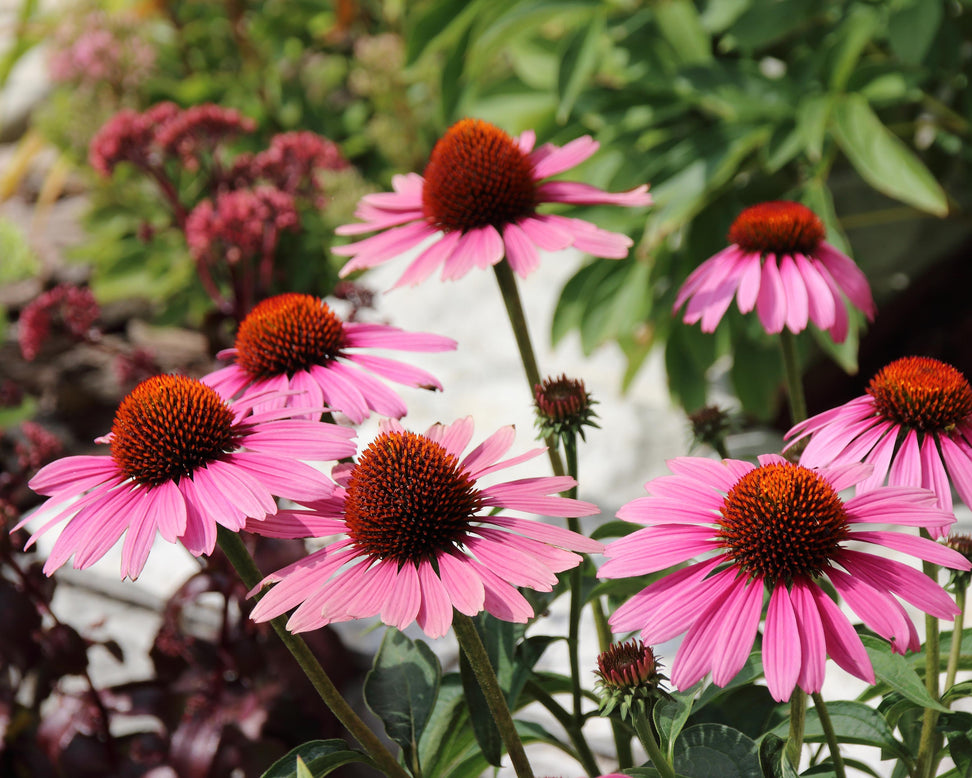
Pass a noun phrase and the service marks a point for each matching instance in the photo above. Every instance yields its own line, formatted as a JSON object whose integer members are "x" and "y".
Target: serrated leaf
{"x": 895, "y": 671}
{"x": 401, "y": 688}
{"x": 882, "y": 159}
{"x": 315, "y": 758}
{"x": 578, "y": 63}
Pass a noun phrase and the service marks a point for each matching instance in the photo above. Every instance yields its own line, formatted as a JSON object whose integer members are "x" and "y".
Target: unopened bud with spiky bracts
{"x": 564, "y": 407}
{"x": 710, "y": 425}
{"x": 960, "y": 579}
{"x": 628, "y": 676}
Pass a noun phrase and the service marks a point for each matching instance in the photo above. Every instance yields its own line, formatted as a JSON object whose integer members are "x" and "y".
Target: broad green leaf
{"x": 853, "y": 722}
{"x": 764, "y": 24}
{"x": 895, "y": 671}
{"x": 617, "y": 305}
{"x": 670, "y": 716}
{"x": 401, "y": 688}
{"x": 812, "y": 117}
{"x": 578, "y": 64}
{"x": 817, "y": 197}
{"x": 316, "y": 758}
{"x": 436, "y": 23}
{"x": 756, "y": 376}
{"x": 957, "y": 727}
{"x": 854, "y": 33}
{"x": 912, "y": 28}
{"x": 882, "y": 159}
{"x": 680, "y": 26}
{"x": 574, "y": 298}
{"x": 715, "y": 750}
{"x": 773, "y": 760}
{"x": 686, "y": 376}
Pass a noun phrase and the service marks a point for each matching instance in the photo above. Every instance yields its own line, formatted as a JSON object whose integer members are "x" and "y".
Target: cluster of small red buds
{"x": 241, "y": 224}
{"x": 70, "y": 309}
{"x": 36, "y": 447}
{"x": 129, "y": 136}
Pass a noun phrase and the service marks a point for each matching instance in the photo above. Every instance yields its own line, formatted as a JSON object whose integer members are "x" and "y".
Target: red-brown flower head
{"x": 408, "y": 499}
{"x": 477, "y": 175}
{"x": 922, "y": 393}
{"x": 167, "y": 427}
{"x": 781, "y": 522}
{"x": 286, "y": 334}
{"x": 778, "y": 227}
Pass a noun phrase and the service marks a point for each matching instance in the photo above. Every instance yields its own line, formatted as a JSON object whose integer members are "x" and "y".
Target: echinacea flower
{"x": 479, "y": 196}
{"x": 416, "y": 542}
{"x": 776, "y": 527}
{"x": 779, "y": 264}
{"x": 182, "y": 460}
{"x": 296, "y": 342}
{"x": 914, "y": 425}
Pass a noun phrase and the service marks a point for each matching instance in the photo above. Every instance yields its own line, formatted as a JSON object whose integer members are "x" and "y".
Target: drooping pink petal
{"x": 361, "y": 335}
{"x": 849, "y": 277}
{"x": 584, "y": 194}
{"x": 933, "y": 475}
{"x": 549, "y": 160}
{"x": 521, "y": 252}
{"x": 439, "y": 253}
{"x": 656, "y": 548}
{"x": 797, "y": 298}
{"x": 844, "y": 645}
{"x": 958, "y": 461}
{"x": 463, "y": 584}
{"x": 771, "y": 303}
{"x": 820, "y": 301}
{"x": 906, "y": 466}
{"x": 782, "y": 652}
{"x": 547, "y": 533}
{"x": 435, "y": 612}
{"x": 812, "y": 635}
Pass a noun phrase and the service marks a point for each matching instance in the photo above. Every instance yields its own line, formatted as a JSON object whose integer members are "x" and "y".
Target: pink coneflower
{"x": 479, "y": 196}
{"x": 182, "y": 461}
{"x": 776, "y": 527}
{"x": 296, "y": 342}
{"x": 914, "y": 426}
{"x": 416, "y": 541}
{"x": 780, "y": 264}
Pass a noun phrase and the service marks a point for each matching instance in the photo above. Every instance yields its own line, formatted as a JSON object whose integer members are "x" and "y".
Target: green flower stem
{"x": 929, "y": 737}
{"x": 794, "y": 378}
{"x": 955, "y": 649}
{"x": 514, "y": 309}
{"x": 954, "y": 657}
{"x": 798, "y": 718}
{"x": 828, "y": 728}
{"x": 555, "y": 709}
{"x": 647, "y": 737}
{"x": 239, "y": 557}
{"x": 472, "y": 646}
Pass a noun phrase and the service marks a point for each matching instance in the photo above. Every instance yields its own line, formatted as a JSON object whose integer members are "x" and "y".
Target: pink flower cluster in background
{"x": 101, "y": 48}
{"x": 65, "y": 308}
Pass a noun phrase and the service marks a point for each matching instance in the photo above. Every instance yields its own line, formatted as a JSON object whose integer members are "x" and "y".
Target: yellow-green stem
{"x": 246, "y": 568}
{"x": 647, "y": 737}
{"x": 472, "y": 646}
{"x": 798, "y": 718}
{"x": 828, "y": 729}
{"x": 793, "y": 376}
{"x": 927, "y": 744}
{"x": 514, "y": 309}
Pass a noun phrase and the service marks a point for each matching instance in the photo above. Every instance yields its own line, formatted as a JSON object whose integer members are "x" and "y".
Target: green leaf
{"x": 773, "y": 760}
{"x": 679, "y": 24}
{"x": 957, "y": 727}
{"x": 401, "y": 688}
{"x": 689, "y": 353}
{"x": 882, "y": 159}
{"x": 812, "y": 117}
{"x": 574, "y": 298}
{"x": 957, "y": 692}
{"x": 756, "y": 375}
{"x": 895, "y": 671}
{"x": 854, "y": 33}
{"x": 578, "y": 63}
{"x": 912, "y": 29}
{"x": 315, "y": 758}
{"x": 853, "y": 722}
{"x": 715, "y": 750}
{"x": 452, "y": 81}
{"x": 670, "y": 716}
{"x": 437, "y": 23}
{"x": 618, "y": 304}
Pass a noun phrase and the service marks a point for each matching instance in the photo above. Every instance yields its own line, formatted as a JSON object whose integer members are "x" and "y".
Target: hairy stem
{"x": 828, "y": 728}
{"x": 514, "y": 309}
{"x": 472, "y": 646}
{"x": 927, "y": 744}
{"x": 246, "y": 568}
{"x": 647, "y": 738}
